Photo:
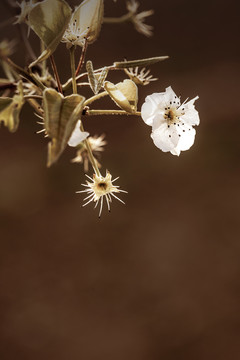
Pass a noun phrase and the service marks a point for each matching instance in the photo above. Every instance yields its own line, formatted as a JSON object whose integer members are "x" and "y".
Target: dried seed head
{"x": 99, "y": 188}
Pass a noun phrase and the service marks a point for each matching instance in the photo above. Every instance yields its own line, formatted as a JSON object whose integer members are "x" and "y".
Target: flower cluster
{"x": 63, "y": 108}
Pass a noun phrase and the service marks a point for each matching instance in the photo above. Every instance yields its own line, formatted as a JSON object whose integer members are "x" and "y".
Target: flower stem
{"x": 90, "y": 154}
{"x": 29, "y": 76}
{"x": 74, "y": 85}
{"x": 95, "y": 97}
{"x": 26, "y": 97}
{"x": 44, "y": 63}
{"x": 111, "y": 112}
{"x": 82, "y": 57}
{"x": 118, "y": 20}
{"x": 73, "y": 69}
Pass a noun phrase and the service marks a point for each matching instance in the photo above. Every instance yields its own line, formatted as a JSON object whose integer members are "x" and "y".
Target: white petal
{"x": 165, "y": 138}
{"x": 77, "y": 136}
{"x": 190, "y": 117}
{"x": 191, "y": 114}
{"x": 175, "y": 151}
{"x": 186, "y": 140}
{"x": 170, "y": 95}
{"x": 147, "y": 112}
{"x": 150, "y": 107}
{"x": 157, "y": 121}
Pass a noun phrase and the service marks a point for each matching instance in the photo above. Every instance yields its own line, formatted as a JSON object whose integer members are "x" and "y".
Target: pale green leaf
{"x": 49, "y": 20}
{"x": 60, "y": 117}
{"x": 140, "y": 62}
{"x": 124, "y": 94}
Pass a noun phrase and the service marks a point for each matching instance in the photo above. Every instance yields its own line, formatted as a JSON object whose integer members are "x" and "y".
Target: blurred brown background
{"x": 159, "y": 277}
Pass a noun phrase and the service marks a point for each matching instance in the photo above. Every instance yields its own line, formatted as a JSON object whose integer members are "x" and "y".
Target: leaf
{"x": 88, "y": 18}
{"x": 60, "y": 118}
{"x": 49, "y": 20}
{"x": 101, "y": 78}
{"x": 91, "y": 77}
{"x": 10, "y": 109}
{"x": 96, "y": 81}
{"x": 141, "y": 62}
{"x": 124, "y": 94}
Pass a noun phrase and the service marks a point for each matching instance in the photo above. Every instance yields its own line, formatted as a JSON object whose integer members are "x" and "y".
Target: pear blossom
{"x": 101, "y": 187}
{"x": 172, "y": 122}
{"x": 77, "y": 135}
{"x": 74, "y": 35}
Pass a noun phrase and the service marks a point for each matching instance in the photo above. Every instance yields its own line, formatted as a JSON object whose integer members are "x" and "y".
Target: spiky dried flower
{"x": 99, "y": 188}
{"x": 140, "y": 77}
{"x": 7, "y": 48}
{"x": 25, "y": 8}
{"x": 139, "y": 18}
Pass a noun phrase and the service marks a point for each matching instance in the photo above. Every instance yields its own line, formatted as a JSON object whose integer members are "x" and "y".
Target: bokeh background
{"x": 159, "y": 277}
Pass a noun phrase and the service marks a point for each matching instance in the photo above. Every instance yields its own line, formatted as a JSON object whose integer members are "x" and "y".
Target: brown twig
{"x": 38, "y": 109}
{"x": 29, "y": 76}
{"x": 82, "y": 57}
{"x": 54, "y": 67}
{"x": 8, "y": 85}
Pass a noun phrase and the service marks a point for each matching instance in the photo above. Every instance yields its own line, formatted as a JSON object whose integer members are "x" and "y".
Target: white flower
{"x": 74, "y": 35}
{"x": 99, "y": 188}
{"x": 85, "y": 23}
{"x": 77, "y": 135}
{"x": 172, "y": 123}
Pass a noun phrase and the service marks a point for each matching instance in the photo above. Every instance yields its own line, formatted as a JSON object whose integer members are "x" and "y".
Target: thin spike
{"x": 107, "y": 201}
{"x": 88, "y": 201}
{"x": 88, "y": 177}
{"x": 82, "y": 191}
{"x": 40, "y": 131}
{"x": 88, "y": 196}
{"x": 118, "y": 198}
{"x": 96, "y": 204}
{"x": 101, "y": 206}
{"x": 116, "y": 179}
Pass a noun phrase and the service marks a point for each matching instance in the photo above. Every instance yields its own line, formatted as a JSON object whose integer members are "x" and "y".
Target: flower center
{"x": 102, "y": 185}
{"x": 170, "y": 115}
